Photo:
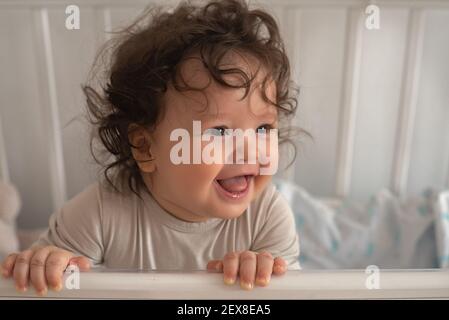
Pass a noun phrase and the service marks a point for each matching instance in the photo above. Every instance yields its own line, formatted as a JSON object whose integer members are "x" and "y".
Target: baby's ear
{"x": 140, "y": 141}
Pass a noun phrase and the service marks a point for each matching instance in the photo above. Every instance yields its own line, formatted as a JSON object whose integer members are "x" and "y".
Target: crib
{"x": 390, "y": 132}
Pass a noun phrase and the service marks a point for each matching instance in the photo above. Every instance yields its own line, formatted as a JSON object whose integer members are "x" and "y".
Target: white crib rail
{"x": 344, "y": 284}
{"x": 353, "y": 53}
{"x": 409, "y": 101}
{"x": 56, "y": 156}
{"x": 4, "y": 172}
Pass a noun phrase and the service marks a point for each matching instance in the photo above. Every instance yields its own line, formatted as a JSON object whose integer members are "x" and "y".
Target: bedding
{"x": 387, "y": 231}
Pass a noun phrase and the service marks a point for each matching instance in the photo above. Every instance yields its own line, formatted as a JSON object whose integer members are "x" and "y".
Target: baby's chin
{"x": 228, "y": 212}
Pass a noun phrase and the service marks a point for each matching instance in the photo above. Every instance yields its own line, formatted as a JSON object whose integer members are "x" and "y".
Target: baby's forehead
{"x": 196, "y": 87}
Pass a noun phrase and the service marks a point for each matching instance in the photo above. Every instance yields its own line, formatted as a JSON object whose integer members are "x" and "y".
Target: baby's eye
{"x": 264, "y": 128}
{"x": 217, "y": 131}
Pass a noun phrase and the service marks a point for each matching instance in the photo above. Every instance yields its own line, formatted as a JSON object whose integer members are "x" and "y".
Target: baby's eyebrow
{"x": 213, "y": 116}
{"x": 269, "y": 116}
{"x": 266, "y": 116}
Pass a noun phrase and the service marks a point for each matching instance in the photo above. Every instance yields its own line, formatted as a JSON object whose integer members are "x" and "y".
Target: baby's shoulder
{"x": 86, "y": 198}
{"x": 100, "y": 198}
{"x": 115, "y": 200}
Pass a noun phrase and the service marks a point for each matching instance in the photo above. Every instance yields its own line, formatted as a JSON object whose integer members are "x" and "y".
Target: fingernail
{"x": 229, "y": 281}
{"x": 42, "y": 292}
{"x": 262, "y": 281}
{"x": 21, "y": 289}
{"x": 246, "y": 285}
{"x": 58, "y": 287}
{"x": 278, "y": 268}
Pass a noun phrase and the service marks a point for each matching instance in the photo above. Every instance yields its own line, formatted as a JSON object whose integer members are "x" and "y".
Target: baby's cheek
{"x": 260, "y": 182}
{"x": 200, "y": 175}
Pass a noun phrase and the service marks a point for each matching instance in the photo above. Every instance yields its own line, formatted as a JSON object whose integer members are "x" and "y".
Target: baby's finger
{"x": 247, "y": 272}
{"x": 82, "y": 262}
{"x": 280, "y": 266}
{"x": 230, "y": 267}
{"x": 8, "y": 264}
{"x": 22, "y": 269}
{"x": 215, "y": 266}
{"x": 54, "y": 269}
{"x": 37, "y": 270}
{"x": 265, "y": 264}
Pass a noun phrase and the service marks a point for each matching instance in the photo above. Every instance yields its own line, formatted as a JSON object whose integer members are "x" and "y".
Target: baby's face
{"x": 195, "y": 192}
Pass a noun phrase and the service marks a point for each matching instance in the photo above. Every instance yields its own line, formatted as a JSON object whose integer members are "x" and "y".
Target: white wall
{"x": 376, "y": 101}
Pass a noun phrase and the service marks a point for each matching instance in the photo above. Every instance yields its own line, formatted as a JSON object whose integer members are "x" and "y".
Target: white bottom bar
{"x": 343, "y": 284}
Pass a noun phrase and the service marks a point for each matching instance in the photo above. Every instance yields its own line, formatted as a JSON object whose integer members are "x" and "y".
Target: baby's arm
{"x": 73, "y": 237}
{"x": 275, "y": 248}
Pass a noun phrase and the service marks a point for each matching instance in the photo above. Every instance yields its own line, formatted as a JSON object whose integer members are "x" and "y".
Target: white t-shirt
{"x": 121, "y": 231}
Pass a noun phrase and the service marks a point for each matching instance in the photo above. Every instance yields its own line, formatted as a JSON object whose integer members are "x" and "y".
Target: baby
{"x": 200, "y": 74}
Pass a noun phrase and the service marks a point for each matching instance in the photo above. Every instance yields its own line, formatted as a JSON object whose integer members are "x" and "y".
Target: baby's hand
{"x": 42, "y": 266}
{"x": 250, "y": 266}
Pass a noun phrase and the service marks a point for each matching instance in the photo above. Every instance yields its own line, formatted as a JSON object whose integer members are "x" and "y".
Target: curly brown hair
{"x": 145, "y": 58}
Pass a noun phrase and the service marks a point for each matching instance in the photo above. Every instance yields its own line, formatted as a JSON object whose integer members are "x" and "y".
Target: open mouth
{"x": 235, "y": 187}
